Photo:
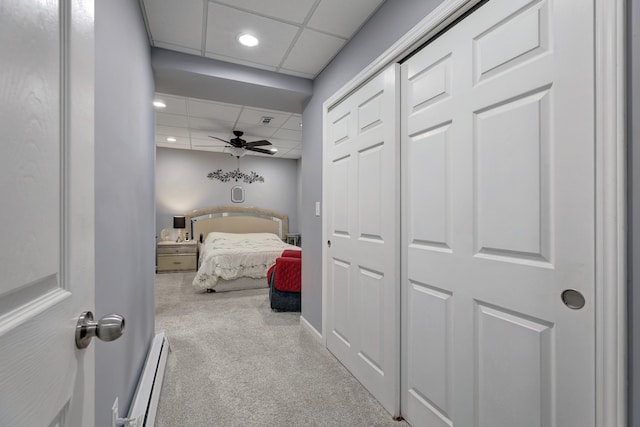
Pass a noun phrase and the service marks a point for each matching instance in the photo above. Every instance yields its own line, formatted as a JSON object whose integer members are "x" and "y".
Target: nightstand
{"x": 293, "y": 239}
{"x": 177, "y": 256}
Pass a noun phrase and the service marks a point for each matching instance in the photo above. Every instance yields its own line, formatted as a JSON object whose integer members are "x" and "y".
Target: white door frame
{"x": 610, "y": 206}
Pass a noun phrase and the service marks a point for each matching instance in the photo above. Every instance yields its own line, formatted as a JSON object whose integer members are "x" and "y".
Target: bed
{"x": 237, "y": 245}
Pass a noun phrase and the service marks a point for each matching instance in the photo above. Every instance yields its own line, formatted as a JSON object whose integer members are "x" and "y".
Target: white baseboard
{"x": 145, "y": 401}
{"x": 309, "y": 328}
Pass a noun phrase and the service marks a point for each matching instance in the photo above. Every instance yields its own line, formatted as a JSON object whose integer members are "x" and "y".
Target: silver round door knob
{"x": 109, "y": 328}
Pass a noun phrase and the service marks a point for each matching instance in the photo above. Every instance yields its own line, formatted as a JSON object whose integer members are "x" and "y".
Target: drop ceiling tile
{"x": 292, "y": 135}
{"x": 210, "y": 125}
{"x": 177, "y": 48}
{"x": 172, "y": 131}
{"x": 287, "y": 10}
{"x": 255, "y": 132}
{"x": 293, "y": 154}
{"x": 175, "y": 104}
{"x": 312, "y": 51}
{"x": 174, "y": 120}
{"x": 173, "y": 145}
{"x": 225, "y": 24}
{"x": 218, "y": 111}
{"x": 294, "y": 122}
{"x": 252, "y": 116}
{"x": 283, "y": 144}
{"x": 208, "y": 135}
{"x": 179, "y": 140}
{"x": 209, "y": 142}
{"x": 176, "y": 22}
{"x": 353, "y": 14}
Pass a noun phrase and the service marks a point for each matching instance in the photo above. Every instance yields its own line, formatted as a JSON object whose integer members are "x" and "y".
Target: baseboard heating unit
{"x": 145, "y": 401}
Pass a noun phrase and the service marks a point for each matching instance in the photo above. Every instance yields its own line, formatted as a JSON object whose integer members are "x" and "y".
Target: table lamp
{"x": 179, "y": 223}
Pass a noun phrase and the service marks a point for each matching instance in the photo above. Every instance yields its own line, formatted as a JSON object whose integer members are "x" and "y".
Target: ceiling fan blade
{"x": 219, "y": 139}
{"x": 258, "y": 143}
{"x": 260, "y": 150}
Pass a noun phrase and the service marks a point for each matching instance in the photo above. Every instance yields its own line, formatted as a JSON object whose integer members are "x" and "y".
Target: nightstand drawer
{"x": 176, "y": 262}
{"x": 177, "y": 249}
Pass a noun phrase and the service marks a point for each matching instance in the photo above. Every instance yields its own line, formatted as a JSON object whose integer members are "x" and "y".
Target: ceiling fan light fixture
{"x": 248, "y": 40}
{"x": 237, "y": 151}
{"x": 273, "y": 150}
{"x": 241, "y": 146}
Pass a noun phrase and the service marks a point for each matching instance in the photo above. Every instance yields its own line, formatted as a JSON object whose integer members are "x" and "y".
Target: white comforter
{"x": 230, "y": 256}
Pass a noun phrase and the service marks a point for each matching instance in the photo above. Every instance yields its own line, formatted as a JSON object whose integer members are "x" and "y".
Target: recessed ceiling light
{"x": 248, "y": 40}
{"x": 159, "y": 104}
{"x": 171, "y": 139}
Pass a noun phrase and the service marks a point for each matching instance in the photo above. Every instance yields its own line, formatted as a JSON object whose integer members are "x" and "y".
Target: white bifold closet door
{"x": 498, "y": 220}
{"x": 362, "y": 161}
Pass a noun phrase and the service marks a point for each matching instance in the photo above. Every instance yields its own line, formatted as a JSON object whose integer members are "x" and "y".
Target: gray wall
{"x": 386, "y": 26}
{"x": 633, "y": 132}
{"x": 125, "y": 203}
{"x": 182, "y": 184}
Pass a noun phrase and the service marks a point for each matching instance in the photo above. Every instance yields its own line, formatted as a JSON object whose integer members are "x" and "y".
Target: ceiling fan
{"x": 239, "y": 146}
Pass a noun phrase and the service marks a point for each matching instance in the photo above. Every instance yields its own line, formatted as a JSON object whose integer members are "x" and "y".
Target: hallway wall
{"x": 125, "y": 199}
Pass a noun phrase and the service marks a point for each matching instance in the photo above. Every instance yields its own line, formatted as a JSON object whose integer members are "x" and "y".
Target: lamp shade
{"x": 179, "y": 222}
{"x": 237, "y": 151}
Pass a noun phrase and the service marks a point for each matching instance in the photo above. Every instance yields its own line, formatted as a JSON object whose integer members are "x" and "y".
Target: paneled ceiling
{"x": 297, "y": 38}
{"x": 192, "y": 122}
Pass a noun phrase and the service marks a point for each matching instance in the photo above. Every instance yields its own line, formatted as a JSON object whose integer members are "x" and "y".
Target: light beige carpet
{"x": 234, "y": 362}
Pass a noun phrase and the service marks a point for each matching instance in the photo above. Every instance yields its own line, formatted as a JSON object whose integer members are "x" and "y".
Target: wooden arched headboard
{"x": 237, "y": 219}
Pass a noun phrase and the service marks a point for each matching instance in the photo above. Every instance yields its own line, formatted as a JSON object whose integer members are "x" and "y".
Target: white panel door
{"x": 362, "y": 208}
{"x": 46, "y": 188}
{"x": 498, "y": 219}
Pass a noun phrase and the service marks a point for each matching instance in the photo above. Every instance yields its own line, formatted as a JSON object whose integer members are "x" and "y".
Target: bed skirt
{"x": 240, "y": 283}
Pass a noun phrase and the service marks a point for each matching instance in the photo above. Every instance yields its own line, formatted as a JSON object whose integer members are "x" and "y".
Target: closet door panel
{"x": 362, "y": 161}
{"x": 498, "y": 219}
{"x": 429, "y": 211}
